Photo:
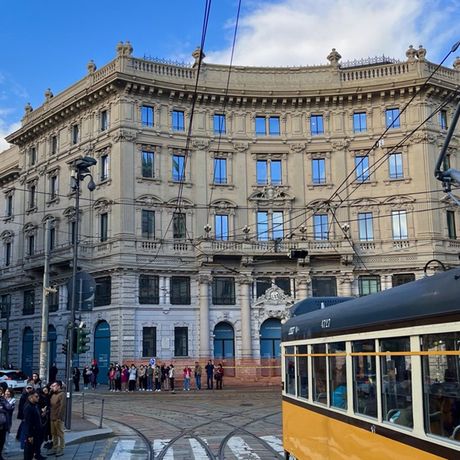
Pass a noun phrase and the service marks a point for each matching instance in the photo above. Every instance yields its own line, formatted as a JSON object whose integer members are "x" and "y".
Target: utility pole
{"x": 45, "y": 308}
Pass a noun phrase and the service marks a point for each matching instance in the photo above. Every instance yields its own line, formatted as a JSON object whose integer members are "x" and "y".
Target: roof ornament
{"x": 197, "y": 55}
{"x": 411, "y": 54}
{"x": 124, "y": 49}
{"x": 91, "y": 66}
{"x": 334, "y": 58}
{"x": 48, "y": 95}
{"x": 421, "y": 53}
{"x": 456, "y": 64}
{"x": 28, "y": 109}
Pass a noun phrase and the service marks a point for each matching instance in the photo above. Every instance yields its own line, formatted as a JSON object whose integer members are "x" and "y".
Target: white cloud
{"x": 303, "y": 32}
{"x": 6, "y": 128}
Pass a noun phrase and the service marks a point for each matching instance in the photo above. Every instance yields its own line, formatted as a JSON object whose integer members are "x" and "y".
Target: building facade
{"x": 201, "y": 239}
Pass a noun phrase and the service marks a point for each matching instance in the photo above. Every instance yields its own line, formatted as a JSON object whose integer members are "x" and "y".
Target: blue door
{"x": 52, "y": 338}
{"x": 102, "y": 349}
{"x": 28, "y": 351}
{"x": 270, "y": 338}
{"x": 224, "y": 347}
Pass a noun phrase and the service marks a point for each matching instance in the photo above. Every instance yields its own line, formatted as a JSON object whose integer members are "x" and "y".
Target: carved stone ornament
{"x": 102, "y": 205}
{"x": 30, "y": 229}
{"x": 456, "y": 64}
{"x": 7, "y": 236}
{"x": 124, "y": 135}
{"x": 41, "y": 170}
{"x": 200, "y": 144}
{"x": 334, "y": 57}
{"x": 274, "y": 296}
{"x": 240, "y": 146}
{"x": 411, "y": 54}
{"x": 270, "y": 193}
{"x": 421, "y": 53}
{"x": 70, "y": 213}
{"x": 297, "y": 147}
{"x": 91, "y": 66}
{"x": 341, "y": 144}
{"x": 420, "y": 137}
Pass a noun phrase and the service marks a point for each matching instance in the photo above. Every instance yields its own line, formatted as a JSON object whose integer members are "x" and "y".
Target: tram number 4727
{"x": 325, "y": 323}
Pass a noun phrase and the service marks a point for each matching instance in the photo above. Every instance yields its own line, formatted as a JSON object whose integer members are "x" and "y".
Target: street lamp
{"x": 79, "y": 172}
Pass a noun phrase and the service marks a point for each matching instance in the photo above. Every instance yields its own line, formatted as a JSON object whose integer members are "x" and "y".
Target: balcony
{"x": 60, "y": 256}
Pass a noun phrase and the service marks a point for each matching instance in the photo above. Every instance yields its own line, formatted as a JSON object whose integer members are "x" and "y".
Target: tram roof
{"x": 432, "y": 299}
{"x": 316, "y": 303}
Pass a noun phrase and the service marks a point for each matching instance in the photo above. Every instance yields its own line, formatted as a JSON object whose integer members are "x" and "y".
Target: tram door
{"x": 224, "y": 347}
{"x": 270, "y": 347}
{"x": 102, "y": 349}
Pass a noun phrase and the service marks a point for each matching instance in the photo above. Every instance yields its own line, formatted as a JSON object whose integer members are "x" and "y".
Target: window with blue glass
{"x": 147, "y": 115}
{"x": 178, "y": 168}
{"x": 219, "y": 123}
{"x": 359, "y": 122}
{"x": 320, "y": 227}
{"x": 148, "y": 224}
{"x": 274, "y": 126}
{"x": 362, "y": 168}
{"x": 262, "y": 225}
{"x": 392, "y": 118}
{"x": 179, "y": 225}
{"x": 365, "y": 226}
{"x": 148, "y": 164}
{"x": 269, "y": 172}
{"x": 277, "y": 225}
{"x": 223, "y": 291}
{"x": 399, "y": 225}
{"x": 318, "y": 171}
{"x": 262, "y": 172}
{"x": 220, "y": 171}
{"x": 221, "y": 226}
{"x": 270, "y": 225}
{"x": 268, "y": 126}
{"x": 443, "y": 119}
{"x": 261, "y": 129}
{"x": 178, "y": 120}
{"x": 395, "y": 166}
{"x": 368, "y": 284}
{"x": 316, "y": 125}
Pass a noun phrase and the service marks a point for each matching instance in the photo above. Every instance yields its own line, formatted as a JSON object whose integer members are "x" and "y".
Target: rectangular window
{"x": 368, "y": 285}
{"x": 268, "y": 125}
{"x": 29, "y": 302}
{"x": 148, "y": 164}
{"x": 302, "y": 371}
{"x": 262, "y": 172}
{"x": 180, "y": 341}
{"x": 290, "y": 371}
{"x": 316, "y": 125}
{"x": 223, "y": 291}
{"x": 9, "y": 206}
{"x": 220, "y": 171}
{"x": 103, "y": 295}
{"x": 149, "y": 289}
{"x": 53, "y": 187}
{"x": 320, "y": 227}
{"x": 179, "y": 226}
{"x": 284, "y": 284}
{"x": 104, "y": 120}
{"x": 262, "y": 284}
{"x": 148, "y": 224}
{"x": 75, "y": 134}
{"x": 32, "y": 156}
{"x": 399, "y": 225}
{"x": 451, "y": 228}
{"x": 396, "y": 382}
{"x": 362, "y": 168}
{"x": 319, "y": 373}
{"x": 147, "y": 116}
{"x": 359, "y": 122}
{"x": 8, "y": 248}
{"x": 104, "y": 227}
{"x": 395, "y": 166}
{"x": 274, "y": 126}
{"x": 72, "y": 231}
{"x": 364, "y": 375}
{"x": 5, "y": 305}
{"x": 365, "y": 226}
{"x": 53, "y": 301}
{"x": 178, "y": 123}
{"x": 324, "y": 286}
{"x": 275, "y": 172}
{"x": 443, "y": 119}
{"x": 337, "y": 375}
{"x": 219, "y": 123}
{"x": 261, "y": 128}
{"x": 402, "y": 278}
{"x": 104, "y": 165}
{"x": 318, "y": 171}
{"x": 178, "y": 168}
{"x": 31, "y": 245}
{"x": 221, "y": 226}
{"x": 262, "y": 225}
{"x": 149, "y": 342}
{"x": 32, "y": 190}
{"x": 269, "y": 172}
{"x": 52, "y": 238}
{"x": 392, "y": 118}
{"x": 441, "y": 373}
{"x": 180, "y": 290}
{"x": 53, "y": 145}
{"x": 277, "y": 225}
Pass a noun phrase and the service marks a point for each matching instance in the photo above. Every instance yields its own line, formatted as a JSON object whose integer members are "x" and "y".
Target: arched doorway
{"x": 28, "y": 351}
{"x": 52, "y": 338}
{"x": 102, "y": 349}
{"x": 270, "y": 350}
{"x": 224, "y": 347}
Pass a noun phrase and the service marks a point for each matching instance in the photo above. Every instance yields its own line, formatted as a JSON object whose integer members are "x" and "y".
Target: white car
{"x": 14, "y": 378}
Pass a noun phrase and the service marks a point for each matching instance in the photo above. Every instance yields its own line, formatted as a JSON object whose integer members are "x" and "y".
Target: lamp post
{"x": 80, "y": 171}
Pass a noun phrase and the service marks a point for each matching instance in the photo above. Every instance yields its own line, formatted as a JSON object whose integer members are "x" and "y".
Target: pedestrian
{"x": 44, "y": 403}
{"x": 22, "y": 402}
{"x": 157, "y": 374}
{"x": 132, "y": 378}
{"x": 164, "y": 377}
{"x": 117, "y": 378}
{"x": 150, "y": 371}
{"x": 86, "y": 377}
{"x": 209, "y": 375}
{"x": 219, "y": 376}
{"x": 53, "y": 373}
{"x": 111, "y": 376}
{"x": 76, "y": 378}
{"x": 57, "y": 417}
{"x": 35, "y": 381}
{"x": 198, "y": 372}
{"x": 142, "y": 378}
{"x": 187, "y": 374}
{"x": 32, "y": 428}
{"x": 9, "y": 396}
{"x": 94, "y": 374}
{"x": 172, "y": 375}
{"x": 124, "y": 378}
{"x": 6, "y": 411}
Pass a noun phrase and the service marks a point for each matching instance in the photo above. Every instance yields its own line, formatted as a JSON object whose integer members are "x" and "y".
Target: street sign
{"x": 86, "y": 290}
{"x": 152, "y": 361}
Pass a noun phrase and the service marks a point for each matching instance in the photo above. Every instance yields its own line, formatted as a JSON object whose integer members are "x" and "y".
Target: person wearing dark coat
{"x": 76, "y": 378}
{"x": 53, "y": 373}
{"x": 22, "y": 403}
{"x": 32, "y": 428}
{"x": 5, "y": 410}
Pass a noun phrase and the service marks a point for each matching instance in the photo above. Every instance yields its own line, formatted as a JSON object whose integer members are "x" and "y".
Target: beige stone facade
{"x": 184, "y": 234}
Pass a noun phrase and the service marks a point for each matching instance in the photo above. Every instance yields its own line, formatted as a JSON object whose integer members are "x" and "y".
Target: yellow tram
{"x": 376, "y": 377}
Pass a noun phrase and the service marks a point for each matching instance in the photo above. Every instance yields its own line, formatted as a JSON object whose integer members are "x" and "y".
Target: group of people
{"x": 90, "y": 374}
{"x": 41, "y": 411}
{"x": 161, "y": 377}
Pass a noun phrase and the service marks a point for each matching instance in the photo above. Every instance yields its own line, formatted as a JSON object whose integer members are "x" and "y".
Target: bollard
{"x": 83, "y": 405}
{"x": 102, "y": 413}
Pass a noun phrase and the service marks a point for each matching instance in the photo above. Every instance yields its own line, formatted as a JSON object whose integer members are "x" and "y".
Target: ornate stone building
{"x": 196, "y": 241}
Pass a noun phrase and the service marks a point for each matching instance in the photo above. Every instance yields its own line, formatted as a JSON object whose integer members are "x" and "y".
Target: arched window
{"x": 270, "y": 338}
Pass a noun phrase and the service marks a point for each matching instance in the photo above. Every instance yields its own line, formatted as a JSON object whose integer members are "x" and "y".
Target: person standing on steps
{"x": 209, "y": 375}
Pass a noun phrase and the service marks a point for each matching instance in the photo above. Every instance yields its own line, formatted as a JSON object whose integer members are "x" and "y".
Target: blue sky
{"x": 47, "y": 44}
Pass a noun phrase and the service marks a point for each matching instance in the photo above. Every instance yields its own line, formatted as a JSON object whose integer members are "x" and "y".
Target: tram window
{"x": 396, "y": 382}
{"x": 289, "y": 377}
{"x": 337, "y": 376}
{"x": 319, "y": 374}
{"x": 364, "y": 374}
{"x": 302, "y": 372}
{"x": 441, "y": 387}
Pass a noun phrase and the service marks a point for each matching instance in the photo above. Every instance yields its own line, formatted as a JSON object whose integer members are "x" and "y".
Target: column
{"x": 346, "y": 285}
{"x": 302, "y": 282}
{"x": 246, "y": 348}
{"x": 167, "y": 290}
{"x": 203, "y": 287}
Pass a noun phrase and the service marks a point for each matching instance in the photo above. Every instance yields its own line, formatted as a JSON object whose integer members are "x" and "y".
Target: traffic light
{"x": 82, "y": 340}
{"x": 64, "y": 348}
